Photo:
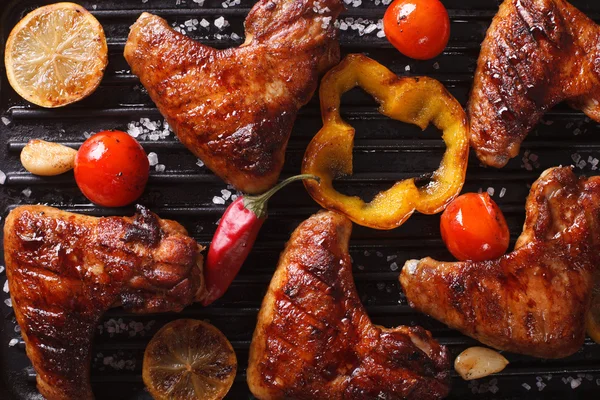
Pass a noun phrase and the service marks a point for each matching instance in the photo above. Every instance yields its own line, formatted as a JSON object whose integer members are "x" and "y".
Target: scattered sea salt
{"x": 392, "y": 257}
{"x": 436, "y": 65}
{"x": 407, "y": 68}
{"x": 199, "y": 2}
{"x": 526, "y": 386}
{"x": 379, "y": 254}
{"x": 1, "y": 269}
{"x": 160, "y": 168}
{"x": 381, "y": 34}
{"x": 575, "y": 383}
{"x": 152, "y": 159}
{"x": 2, "y": 177}
{"x": 5, "y": 288}
{"x": 200, "y": 163}
{"x": 394, "y": 266}
{"x": 218, "y": 200}
{"x": 226, "y": 194}
{"x": 13, "y": 342}
{"x": 221, "y": 23}
{"x": 491, "y": 191}
{"x": 5, "y": 120}
{"x": 367, "y": 253}
{"x": 8, "y": 302}
{"x": 26, "y": 192}
{"x": 370, "y": 28}
{"x": 204, "y": 23}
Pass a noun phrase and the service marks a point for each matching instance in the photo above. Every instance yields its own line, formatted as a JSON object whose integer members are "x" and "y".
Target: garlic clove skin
{"x": 46, "y": 158}
{"x": 479, "y": 362}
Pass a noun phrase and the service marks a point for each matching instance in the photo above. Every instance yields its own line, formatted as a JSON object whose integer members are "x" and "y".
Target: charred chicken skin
{"x": 314, "y": 339}
{"x": 235, "y": 108}
{"x": 534, "y": 300}
{"x": 536, "y": 54}
{"x": 65, "y": 270}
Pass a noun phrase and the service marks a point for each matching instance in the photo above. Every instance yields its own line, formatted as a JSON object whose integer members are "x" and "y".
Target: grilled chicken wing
{"x": 235, "y": 108}
{"x": 533, "y": 300}
{"x": 536, "y": 54}
{"x": 65, "y": 270}
{"x": 314, "y": 339}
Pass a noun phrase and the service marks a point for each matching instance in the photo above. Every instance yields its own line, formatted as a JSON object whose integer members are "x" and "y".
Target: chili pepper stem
{"x": 258, "y": 204}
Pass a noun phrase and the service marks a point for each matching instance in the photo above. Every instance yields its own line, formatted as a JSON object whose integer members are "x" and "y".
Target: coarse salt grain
{"x": 204, "y": 23}
{"x": 575, "y": 383}
{"x": 13, "y": 342}
{"x": 5, "y": 120}
{"x": 221, "y": 22}
{"x": 394, "y": 266}
{"x": 502, "y": 192}
{"x": 436, "y": 65}
{"x": 226, "y": 194}
{"x": 199, "y": 2}
{"x": 5, "y": 288}
{"x": 218, "y": 200}
{"x": 26, "y": 192}
{"x": 392, "y": 257}
{"x": 2, "y": 177}
{"x": 1, "y": 268}
{"x": 407, "y": 68}
{"x": 152, "y": 158}
{"x": 200, "y": 163}
{"x": 490, "y": 191}
{"x": 381, "y": 34}
{"x": 370, "y": 28}
{"x": 526, "y": 386}
{"x": 8, "y": 302}
{"x": 160, "y": 168}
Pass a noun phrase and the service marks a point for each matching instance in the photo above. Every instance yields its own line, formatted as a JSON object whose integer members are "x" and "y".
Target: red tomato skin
{"x": 111, "y": 169}
{"x": 473, "y": 228}
{"x": 419, "y": 29}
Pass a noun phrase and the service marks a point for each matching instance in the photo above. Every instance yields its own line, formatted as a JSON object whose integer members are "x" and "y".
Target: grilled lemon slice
{"x": 56, "y": 55}
{"x": 189, "y": 359}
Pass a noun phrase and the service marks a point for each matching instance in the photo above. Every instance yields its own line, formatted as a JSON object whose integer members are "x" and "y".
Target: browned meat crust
{"x": 235, "y": 108}
{"x": 314, "y": 339}
{"x": 536, "y": 54}
{"x": 533, "y": 300}
{"x": 65, "y": 270}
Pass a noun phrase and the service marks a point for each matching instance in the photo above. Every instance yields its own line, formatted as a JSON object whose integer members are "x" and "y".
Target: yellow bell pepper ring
{"x": 413, "y": 100}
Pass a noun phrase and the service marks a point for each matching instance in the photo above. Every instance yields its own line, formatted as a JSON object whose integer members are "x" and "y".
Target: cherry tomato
{"x": 111, "y": 169}
{"x": 474, "y": 228}
{"x": 419, "y": 29}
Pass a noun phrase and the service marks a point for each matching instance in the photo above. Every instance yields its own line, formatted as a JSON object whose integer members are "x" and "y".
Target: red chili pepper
{"x": 235, "y": 237}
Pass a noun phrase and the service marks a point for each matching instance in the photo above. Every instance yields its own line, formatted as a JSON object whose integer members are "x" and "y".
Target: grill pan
{"x": 385, "y": 151}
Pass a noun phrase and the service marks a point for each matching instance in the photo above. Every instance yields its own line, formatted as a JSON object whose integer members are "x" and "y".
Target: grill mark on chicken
{"x": 235, "y": 108}
{"x": 533, "y": 300}
{"x": 65, "y": 270}
{"x": 536, "y": 54}
{"x": 313, "y": 339}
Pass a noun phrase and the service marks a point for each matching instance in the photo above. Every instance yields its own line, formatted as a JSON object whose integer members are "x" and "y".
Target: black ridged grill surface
{"x": 385, "y": 151}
